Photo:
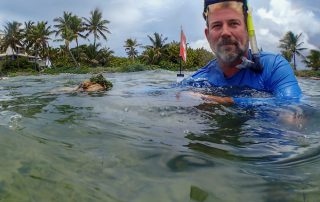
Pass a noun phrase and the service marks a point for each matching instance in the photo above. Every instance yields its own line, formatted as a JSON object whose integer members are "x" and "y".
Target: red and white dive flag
{"x": 183, "y": 46}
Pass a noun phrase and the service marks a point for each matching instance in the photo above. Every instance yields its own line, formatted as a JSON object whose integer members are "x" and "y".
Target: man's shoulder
{"x": 272, "y": 61}
{"x": 268, "y": 56}
{"x": 206, "y": 69}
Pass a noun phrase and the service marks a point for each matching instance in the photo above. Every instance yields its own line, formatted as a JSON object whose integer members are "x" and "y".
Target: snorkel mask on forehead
{"x": 254, "y": 63}
{"x": 207, "y": 4}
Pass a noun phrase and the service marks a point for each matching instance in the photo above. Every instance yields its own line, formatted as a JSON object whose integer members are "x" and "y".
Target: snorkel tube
{"x": 251, "y": 33}
{"x": 253, "y": 64}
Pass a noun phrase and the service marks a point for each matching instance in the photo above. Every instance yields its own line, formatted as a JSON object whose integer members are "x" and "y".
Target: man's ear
{"x": 206, "y": 32}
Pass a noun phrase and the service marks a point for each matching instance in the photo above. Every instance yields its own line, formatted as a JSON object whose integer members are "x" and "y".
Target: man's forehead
{"x": 225, "y": 14}
{"x": 234, "y": 5}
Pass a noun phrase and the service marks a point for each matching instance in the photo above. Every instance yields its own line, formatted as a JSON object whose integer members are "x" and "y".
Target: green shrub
{"x": 21, "y": 63}
{"x": 169, "y": 65}
{"x": 307, "y": 73}
{"x": 70, "y": 70}
{"x": 119, "y": 62}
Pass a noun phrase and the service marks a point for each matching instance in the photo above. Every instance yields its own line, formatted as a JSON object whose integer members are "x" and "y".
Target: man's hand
{"x": 213, "y": 98}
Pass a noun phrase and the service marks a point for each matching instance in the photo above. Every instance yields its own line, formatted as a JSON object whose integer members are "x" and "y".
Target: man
{"x": 227, "y": 34}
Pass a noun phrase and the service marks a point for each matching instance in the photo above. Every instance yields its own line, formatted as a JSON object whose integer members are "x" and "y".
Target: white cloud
{"x": 268, "y": 42}
{"x": 281, "y": 17}
{"x": 156, "y": 4}
{"x": 201, "y": 43}
{"x": 1, "y": 21}
{"x": 137, "y": 19}
{"x": 288, "y": 17}
{"x": 130, "y": 18}
{"x": 307, "y": 44}
{"x": 127, "y": 18}
{"x": 264, "y": 32}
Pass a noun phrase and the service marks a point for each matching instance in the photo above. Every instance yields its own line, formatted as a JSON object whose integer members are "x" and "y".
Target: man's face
{"x": 227, "y": 35}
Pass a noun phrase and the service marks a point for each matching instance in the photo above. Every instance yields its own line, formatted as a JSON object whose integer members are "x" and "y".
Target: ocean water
{"x": 148, "y": 141}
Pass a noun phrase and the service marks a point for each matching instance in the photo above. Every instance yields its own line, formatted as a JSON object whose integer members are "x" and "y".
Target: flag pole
{"x": 180, "y": 76}
{"x": 180, "y": 64}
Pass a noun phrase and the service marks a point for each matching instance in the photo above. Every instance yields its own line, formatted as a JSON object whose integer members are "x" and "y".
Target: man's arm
{"x": 213, "y": 98}
{"x": 282, "y": 80}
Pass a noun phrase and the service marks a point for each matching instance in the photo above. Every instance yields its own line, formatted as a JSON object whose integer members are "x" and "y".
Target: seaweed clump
{"x": 99, "y": 79}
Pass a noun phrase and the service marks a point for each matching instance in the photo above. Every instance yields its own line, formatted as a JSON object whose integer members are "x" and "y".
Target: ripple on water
{"x": 10, "y": 119}
{"x": 145, "y": 140}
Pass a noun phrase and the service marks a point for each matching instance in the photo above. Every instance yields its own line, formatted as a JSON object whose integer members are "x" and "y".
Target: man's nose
{"x": 225, "y": 31}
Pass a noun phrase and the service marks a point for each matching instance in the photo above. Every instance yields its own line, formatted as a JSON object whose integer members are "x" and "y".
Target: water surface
{"x": 147, "y": 141}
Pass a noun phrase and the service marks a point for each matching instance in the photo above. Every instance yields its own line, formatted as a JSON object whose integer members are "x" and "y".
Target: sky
{"x": 139, "y": 18}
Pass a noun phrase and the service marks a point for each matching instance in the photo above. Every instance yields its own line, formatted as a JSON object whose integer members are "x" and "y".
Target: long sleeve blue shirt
{"x": 277, "y": 77}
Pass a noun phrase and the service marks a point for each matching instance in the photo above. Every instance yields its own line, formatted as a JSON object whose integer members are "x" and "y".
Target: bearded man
{"x": 235, "y": 64}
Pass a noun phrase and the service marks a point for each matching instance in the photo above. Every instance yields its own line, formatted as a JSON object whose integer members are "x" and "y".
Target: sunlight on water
{"x": 147, "y": 141}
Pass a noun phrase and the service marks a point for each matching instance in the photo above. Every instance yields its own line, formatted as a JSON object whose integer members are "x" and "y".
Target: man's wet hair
{"x": 236, "y": 5}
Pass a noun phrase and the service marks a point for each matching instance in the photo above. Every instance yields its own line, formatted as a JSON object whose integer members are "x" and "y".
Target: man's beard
{"x": 229, "y": 51}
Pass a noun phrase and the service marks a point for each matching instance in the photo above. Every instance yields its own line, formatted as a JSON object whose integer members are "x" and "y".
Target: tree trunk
{"x": 94, "y": 39}
{"x": 35, "y": 62}
{"x": 77, "y": 48}
{"x": 18, "y": 62}
{"x": 72, "y": 57}
{"x": 74, "y": 60}
{"x": 294, "y": 61}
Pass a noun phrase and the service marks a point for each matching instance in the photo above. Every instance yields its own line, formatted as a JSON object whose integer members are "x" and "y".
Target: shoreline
{"x": 309, "y": 77}
{"x": 308, "y": 74}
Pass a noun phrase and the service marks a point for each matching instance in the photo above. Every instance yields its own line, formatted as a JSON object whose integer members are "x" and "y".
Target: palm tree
{"x": 13, "y": 36}
{"x": 151, "y": 56}
{"x": 104, "y": 56}
{"x": 148, "y": 56}
{"x": 130, "y": 47}
{"x": 291, "y": 46}
{"x": 287, "y": 55}
{"x": 39, "y": 36}
{"x": 96, "y": 25}
{"x": 172, "y": 52}
{"x": 158, "y": 47}
{"x": 77, "y": 27}
{"x": 26, "y": 32}
{"x": 94, "y": 56}
{"x": 158, "y": 42}
{"x": 67, "y": 34}
{"x": 1, "y": 42}
{"x": 63, "y": 28}
{"x": 313, "y": 60}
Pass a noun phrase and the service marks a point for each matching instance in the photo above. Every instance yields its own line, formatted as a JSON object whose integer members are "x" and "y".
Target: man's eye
{"x": 215, "y": 26}
{"x": 233, "y": 24}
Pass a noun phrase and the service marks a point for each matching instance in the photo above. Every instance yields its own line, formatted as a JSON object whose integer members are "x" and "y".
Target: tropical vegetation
{"x": 42, "y": 40}
{"x": 13, "y": 35}
{"x": 131, "y": 46}
{"x": 291, "y": 47}
{"x": 313, "y": 60}
{"x": 38, "y": 40}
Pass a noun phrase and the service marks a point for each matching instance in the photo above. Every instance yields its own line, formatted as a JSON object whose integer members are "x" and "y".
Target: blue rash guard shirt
{"x": 277, "y": 77}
